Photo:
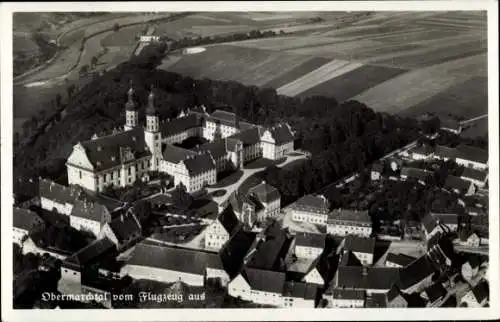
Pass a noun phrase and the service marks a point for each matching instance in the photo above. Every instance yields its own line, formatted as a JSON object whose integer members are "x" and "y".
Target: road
{"x": 474, "y": 119}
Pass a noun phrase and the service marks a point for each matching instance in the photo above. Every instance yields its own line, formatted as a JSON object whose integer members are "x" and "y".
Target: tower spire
{"x": 130, "y": 105}
{"x": 151, "y": 109}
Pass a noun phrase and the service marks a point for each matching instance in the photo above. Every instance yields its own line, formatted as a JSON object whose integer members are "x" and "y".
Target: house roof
{"x": 393, "y": 293}
{"x": 265, "y": 192}
{"x": 349, "y": 259}
{"x": 89, "y": 210}
{"x": 481, "y": 291}
{"x": 352, "y": 216}
{"x": 474, "y": 174}
{"x": 57, "y": 192}
{"x": 91, "y": 253}
{"x": 265, "y": 280}
{"x": 435, "y": 292}
{"x": 309, "y": 203}
{"x": 171, "y": 258}
{"x": 232, "y": 144}
{"x": 423, "y": 149}
{"x": 415, "y": 272}
{"x": 342, "y": 294}
{"x": 457, "y": 183}
{"x": 373, "y": 278}
{"x": 300, "y": 290}
{"x": 217, "y": 148}
{"x": 400, "y": 259}
{"x": 281, "y": 133}
{"x": 199, "y": 163}
{"x": 248, "y": 137}
{"x": 228, "y": 220}
{"x": 24, "y": 218}
{"x": 470, "y": 153}
{"x": 378, "y": 167}
{"x": 234, "y": 251}
{"x": 254, "y": 202}
{"x": 445, "y": 151}
{"x": 310, "y": 240}
{"x": 229, "y": 119}
{"x": 175, "y": 154}
{"x": 416, "y": 173}
{"x": 109, "y": 151}
{"x": 447, "y": 219}
{"x": 358, "y": 244}
{"x": 270, "y": 253}
{"x": 179, "y": 125}
{"x": 124, "y": 226}
{"x": 429, "y": 222}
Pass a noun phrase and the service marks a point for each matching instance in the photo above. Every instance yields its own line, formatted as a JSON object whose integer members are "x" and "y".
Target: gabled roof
{"x": 310, "y": 240}
{"x": 400, "y": 259}
{"x": 265, "y": 280}
{"x": 352, "y": 216}
{"x": 89, "y": 210}
{"x": 199, "y": 163}
{"x": 364, "y": 278}
{"x": 281, "y": 133}
{"x": 316, "y": 204}
{"x": 254, "y": 202}
{"x": 393, "y": 293}
{"x": 229, "y": 119}
{"x": 24, "y": 218}
{"x": 175, "y": 154}
{"x": 481, "y": 291}
{"x": 457, "y": 183}
{"x": 217, "y": 148}
{"x": 429, "y": 223}
{"x": 57, "y": 192}
{"x": 124, "y": 226}
{"x": 300, "y": 290}
{"x": 415, "y": 272}
{"x": 341, "y": 294}
{"x": 423, "y": 149}
{"x": 234, "y": 251}
{"x": 171, "y": 258}
{"x": 265, "y": 192}
{"x": 445, "y": 151}
{"x": 91, "y": 253}
{"x": 416, "y": 173}
{"x": 435, "y": 292}
{"x": 447, "y": 219}
{"x": 271, "y": 252}
{"x": 179, "y": 125}
{"x": 106, "y": 152}
{"x": 349, "y": 259}
{"x": 474, "y": 174}
{"x": 471, "y": 153}
{"x": 248, "y": 137}
{"x": 358, "y": 244}
{"x": 229, "y": 220}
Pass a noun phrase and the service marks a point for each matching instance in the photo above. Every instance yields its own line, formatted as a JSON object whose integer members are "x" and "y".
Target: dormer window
{"x": 99, "y": 148}
{"x": 113, "y": 158}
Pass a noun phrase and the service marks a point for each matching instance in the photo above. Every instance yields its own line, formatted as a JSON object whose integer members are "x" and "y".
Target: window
{"x": 80, "y": 172}
{"x": 129, "y": 170}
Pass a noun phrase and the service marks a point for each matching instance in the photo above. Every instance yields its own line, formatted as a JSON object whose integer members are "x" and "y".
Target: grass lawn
{"x": 227, "y": 179}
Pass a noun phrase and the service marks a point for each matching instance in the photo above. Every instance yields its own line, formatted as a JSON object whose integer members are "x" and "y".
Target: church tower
{"x": 152, "y": 134}
{"x": 131, "y": 111}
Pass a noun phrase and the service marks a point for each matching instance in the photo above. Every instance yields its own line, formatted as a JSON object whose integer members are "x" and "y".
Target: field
{"x": 395, "y": 62}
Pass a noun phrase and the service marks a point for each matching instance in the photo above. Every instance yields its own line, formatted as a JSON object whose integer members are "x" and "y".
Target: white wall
{"x": 308, "y": 252}
{"x": 305, "y": 216}
{"x": 49, "y": 204}
{"x": 18, "y": 235}
{"x": 84, "y": 178}
{"x": 313, "y": 277}
{"x": 344, "y": 230}
{"x": 162, "y": 275}
{"x": 85, "y": 224}
{"x": 472, "y": 164}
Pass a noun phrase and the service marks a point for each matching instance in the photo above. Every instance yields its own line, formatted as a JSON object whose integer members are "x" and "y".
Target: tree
{"x": 181, "y": 198}
{"x": 58, "y": 100}
{"x": 93, "y": 62}
{"x": 116, "y": 27}
{"x": 84, "y": 69}
{"x": 142, "y": 210}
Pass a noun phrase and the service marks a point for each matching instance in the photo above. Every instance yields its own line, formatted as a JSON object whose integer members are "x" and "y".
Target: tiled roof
{"x": 467, "y": 152}
{"x": 110, "y": 151}
{"x": 445, "y": 151}
{"x": 400, "y": 259}
{"x": 270, "y": 254}
{"x": 265, "y": 192}
{"x": 235, "y": 250}
{"x": 199, "y": 163}
{"x": 423, "y": 149}
{"x": 57, "y": 192}
{"x": 474, "y": 174}
{"x": 435, "y": 292}
{"x": 125, "y": 226}
{"x": 316, "y": 204}
{"x": 457, "y": 183}
{"x": 429, "y": 222}
{"x": 341, "y": 294}
{"x": 217, "y": 148}
{"x": 91, "y": 253}
{"x": 376, "y": 300}
{"x": 179, "y": 125}
{"x": 310, "y": 240}
{"x": 89, "y": 210}
{"x": 228, "y": 220}
{"x": 347, "y": 215}
{"x": 447, "y": 219}
{"x": 300, "y": 290}
{"x": 416, "y": 173}
{"x": 229, "y": 119}
{"x": 171, "y": 258}
{"x": 349, "y": 259}
{"x": 358, "y": 244}
{"x": 24, "y": 218}
{"x": 174, "y": 154}
{"x": 248, "y": 137}
{"x": 265, "y": 280}
{"x": 365, "y": 278}
{"x": 281, "y": 133}
{"x": 481, "y": 291}
{"x": 416, "y": 271}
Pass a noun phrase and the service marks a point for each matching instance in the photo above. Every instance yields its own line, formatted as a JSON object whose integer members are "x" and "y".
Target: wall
{"x": 85, "y": 224}
{"x": 49, "y": 204}
{"x": 162, "y": 275}
{"x": 472, "y": 164}
{"x": 343, "y": 230}
{"x": 308, "y": 252}
{"x": 313, "y": 218}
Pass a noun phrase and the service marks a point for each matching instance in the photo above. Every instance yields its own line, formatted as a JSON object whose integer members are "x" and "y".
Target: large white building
{"x": 311, "y": 209}
{"x": 343, "y": 222}
{"x": 220, "y": 230}
{"x": 309, "y": 245}
{"x": 270, "y": 199}
{"x": 277, "y": 142}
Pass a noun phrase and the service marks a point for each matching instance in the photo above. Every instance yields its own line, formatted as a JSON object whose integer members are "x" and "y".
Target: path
{"x": 474, "y": 119}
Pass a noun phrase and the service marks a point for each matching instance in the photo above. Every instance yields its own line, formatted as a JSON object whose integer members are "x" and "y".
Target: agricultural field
{"x": 476, "y": 128}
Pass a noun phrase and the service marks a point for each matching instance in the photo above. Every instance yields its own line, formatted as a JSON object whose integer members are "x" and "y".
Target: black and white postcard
{"x": 249, "y": 160}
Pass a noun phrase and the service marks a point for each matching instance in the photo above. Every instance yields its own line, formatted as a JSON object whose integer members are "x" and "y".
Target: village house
{"x": 342, "y": 222}
{"x": 434, "y": 295}
{"x": 416, "y": 276}
{"x": 398, "y": 260}
{"x": 341, "y": 298}
{"x": 311, "y": 209}
{"x": 420, "y": 175}
{"x": 89, "y": 216}
{"x": 391, "y": 299}
{"x": 477, "y": 297}
{"x": 299, "y": 295}
{"x": 219, "y": 232}
{"x": 196, "y": 172}
{"x": 56, "y": 197}
{"x": 123, "y": 231}
{"x": 450, "y": 220}
{"x": 472, "y": 157}
{"x": 25, "y": 222}
{"x": 377, "y": 171}
{"x": 277, "y": 142}
{"x": 270, "y": 199}
{"x": 470, "y": 268}
{"x": 477, "y": 177}
{"x": 309, "y": 245}
{"x": 431, "y": 227}
{"x": 311, "y": 271}
{"x": 362, "y": 247}
{"x": 459, "y": 186}
{"x": 370, "y": 279}
{"x": 469, "y": 238}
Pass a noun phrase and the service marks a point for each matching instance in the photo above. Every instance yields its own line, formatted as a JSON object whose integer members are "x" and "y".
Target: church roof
{"x": 179, "y": 125}
{"x": 248, "y": 137}
{"x": 174, "y": 154}
{"x": 199, "y": 163}
{"x": 281, "y": 133}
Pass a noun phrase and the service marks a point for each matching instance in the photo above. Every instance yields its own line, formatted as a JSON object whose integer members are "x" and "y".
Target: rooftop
{"x": 179, "y": 125}
{"x": 456, "y": 183}
{"x": 91, "y": 253}
{"x": 265, "y": 192}
{"x": 199, "y": 163}
{"x": 474, "y": 174}
{"x": 310, "y": 240}
{"x": 315, "y": 204}
{"x": 265, "y": 280}
{"x": 400, "y": 259}
{"x": 467, "y": 152}
{"x": 358, "y": 244}
{"x": 416, "y": 271}
{"x": 174, "y": 154}
{"x": 367, "y": 278}
{"x": 24, "y": 218}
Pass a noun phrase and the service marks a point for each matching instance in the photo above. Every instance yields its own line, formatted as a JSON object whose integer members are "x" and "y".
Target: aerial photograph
{"x": 219, "y": 159}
